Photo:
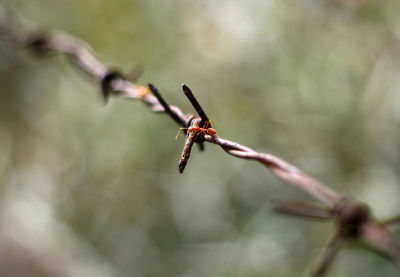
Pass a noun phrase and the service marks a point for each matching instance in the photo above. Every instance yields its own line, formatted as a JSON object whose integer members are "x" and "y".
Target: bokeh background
{"x": 94, "y": 190}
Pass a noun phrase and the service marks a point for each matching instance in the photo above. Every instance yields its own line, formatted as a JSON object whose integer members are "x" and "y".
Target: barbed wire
{"x": 353, "y": 219}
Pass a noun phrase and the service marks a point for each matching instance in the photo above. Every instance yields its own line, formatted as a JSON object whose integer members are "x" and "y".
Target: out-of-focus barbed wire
{"x": 353, "y": 219}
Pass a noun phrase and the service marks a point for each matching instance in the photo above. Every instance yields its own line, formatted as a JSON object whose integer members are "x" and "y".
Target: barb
{"x": 135, "y": 73}
{"x": 167, "y": 108}
{"x": 329, "y": 254}
{"x": 300, "y": 209}
{"x": 186, "y": 151}
{"x": 353, "y": 221}
{"x": 204, "y": 118}
{"x": 391, "y": 221}
{"x": 106, "y": 84}
{"x": 188, "y": 92}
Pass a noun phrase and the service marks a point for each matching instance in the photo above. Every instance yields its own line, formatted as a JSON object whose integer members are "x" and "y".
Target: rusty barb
{"x": 353, "y": 222}
{"x": 196, "y": 131}
{"x": 352, "y": 219}
{"x": 194, "y": 128}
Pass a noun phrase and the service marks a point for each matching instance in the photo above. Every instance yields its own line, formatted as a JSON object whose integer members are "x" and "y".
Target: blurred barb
{"x": 106, "y": 82}
{"x": 353, "y": 222}
{"x": 329, "y": 254}
{"x": 305, "y": 210}
{"x": 391, "y": 222}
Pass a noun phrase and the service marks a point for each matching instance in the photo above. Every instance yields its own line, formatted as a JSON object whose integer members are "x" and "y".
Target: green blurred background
{"x": 93, "y": 190}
